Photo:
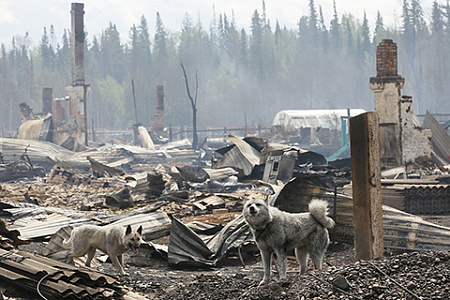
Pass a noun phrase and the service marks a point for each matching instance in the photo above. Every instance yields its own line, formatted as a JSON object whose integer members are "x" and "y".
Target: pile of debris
{"x": 190, "y": 210}
{"x": 52, "y": 279}
{"x": 411, "y": 275}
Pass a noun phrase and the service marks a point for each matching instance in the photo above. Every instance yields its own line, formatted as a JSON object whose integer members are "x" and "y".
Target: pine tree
{"x": 437, "y": 22}
{"x": 255, "y": 55}
{"x": 365, "y": 43}
{"x": 407, "y": 27}
{"x": 160, "y": 44}
{"x": 112, "y": 54}
{"x": 133, "y": 42}
{"x": 335, "y": 32}
{"x": 144, "y": 43}
{"x": 313, "y": 21}
{"x": 46, "y": 51}
{"x": 324, "y": 38}
{"x": 243, "y": 57}
{"x": 350, "y": 45}
{"x": 380, "y": 31}
{"x": 417, "y": 20}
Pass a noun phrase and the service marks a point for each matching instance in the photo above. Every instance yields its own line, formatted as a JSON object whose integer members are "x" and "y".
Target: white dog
{"x": 114, "y": 240}
{"x": 279, "y": 232}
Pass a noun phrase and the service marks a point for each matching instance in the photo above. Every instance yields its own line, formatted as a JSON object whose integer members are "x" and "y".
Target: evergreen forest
{"x": 244, "y": 76}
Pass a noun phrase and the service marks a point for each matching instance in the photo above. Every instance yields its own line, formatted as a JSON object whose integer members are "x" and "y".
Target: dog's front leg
{"x": 120, "y": 258}
{"x": 282, "y": 261}
{"x": 266, "y": 255}
{"x": 116, "y": 263}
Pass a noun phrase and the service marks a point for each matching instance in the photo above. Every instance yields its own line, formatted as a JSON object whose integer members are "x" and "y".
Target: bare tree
{"x": 193, "y": 105}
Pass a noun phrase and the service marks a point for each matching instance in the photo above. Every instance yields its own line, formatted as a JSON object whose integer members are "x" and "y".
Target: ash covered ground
{"x": 414, "y": 275}
{"x": 411, "y": 275}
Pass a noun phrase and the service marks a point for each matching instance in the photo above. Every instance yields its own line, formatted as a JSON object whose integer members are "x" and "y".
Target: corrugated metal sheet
{"x": 38, "y": 151}
{"x": 218, "y": 174}
{"x": 154, "y": 224}
{"x": 52, "y": 279}
{"x": 418, "y": 198}
{"x": 48, "y": 225}
{"x": 242, "y": 157}
{"x": 186, "y": 248}
{"x": 440, "y": 138}
{"x": 51, "y": 219}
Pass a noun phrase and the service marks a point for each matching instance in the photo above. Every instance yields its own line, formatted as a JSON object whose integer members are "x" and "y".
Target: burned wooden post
{"x": 366, "y": 177}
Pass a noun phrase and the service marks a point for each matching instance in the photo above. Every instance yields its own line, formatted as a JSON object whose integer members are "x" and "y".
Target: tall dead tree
{"x": 193, "y": 105}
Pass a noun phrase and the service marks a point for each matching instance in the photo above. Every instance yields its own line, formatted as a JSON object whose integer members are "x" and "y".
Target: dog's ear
{"x": 128, "y": 231}
{"x": 140, "y": 230}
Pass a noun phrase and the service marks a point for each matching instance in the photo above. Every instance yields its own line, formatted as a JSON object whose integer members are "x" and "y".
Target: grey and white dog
{"x": 278, "y": 231}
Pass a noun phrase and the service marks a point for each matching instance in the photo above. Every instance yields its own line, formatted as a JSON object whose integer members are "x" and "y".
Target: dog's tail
{"x": 319, "y": 210}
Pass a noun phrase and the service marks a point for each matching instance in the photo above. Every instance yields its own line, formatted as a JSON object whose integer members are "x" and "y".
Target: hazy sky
{"x": 20, "y": 16}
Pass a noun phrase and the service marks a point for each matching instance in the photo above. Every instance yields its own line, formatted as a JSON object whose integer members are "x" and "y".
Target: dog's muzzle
{"x": 252, "y": 210}
{"x": 134, "y": 248}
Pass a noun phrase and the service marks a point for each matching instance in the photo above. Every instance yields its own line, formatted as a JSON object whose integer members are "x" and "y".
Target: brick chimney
{"x": 77, "y": 43}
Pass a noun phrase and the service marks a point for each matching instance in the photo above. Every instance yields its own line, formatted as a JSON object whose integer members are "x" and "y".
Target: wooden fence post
{"x": 366, "y": 177}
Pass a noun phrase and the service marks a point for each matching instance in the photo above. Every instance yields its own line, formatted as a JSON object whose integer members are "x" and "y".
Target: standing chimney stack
{"x": 77, "y": 43}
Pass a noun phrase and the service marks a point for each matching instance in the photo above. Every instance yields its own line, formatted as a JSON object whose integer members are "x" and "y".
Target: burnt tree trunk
{"x": 193, "y": 105}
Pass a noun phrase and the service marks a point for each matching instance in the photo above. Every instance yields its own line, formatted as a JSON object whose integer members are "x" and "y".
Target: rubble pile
{"x": 198, "y": 245}
{"x": 412, "y": 275}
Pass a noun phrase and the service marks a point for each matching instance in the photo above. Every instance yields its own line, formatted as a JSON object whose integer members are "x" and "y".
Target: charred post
{"x": 366, "y": 178}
